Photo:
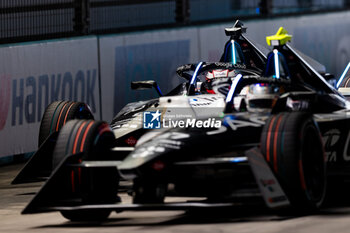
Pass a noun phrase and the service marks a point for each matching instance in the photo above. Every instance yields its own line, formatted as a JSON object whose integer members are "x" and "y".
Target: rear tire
{"x": 93, "y": 139}
{"x": 292, "y": 145}
{"x": 58, "y": 113}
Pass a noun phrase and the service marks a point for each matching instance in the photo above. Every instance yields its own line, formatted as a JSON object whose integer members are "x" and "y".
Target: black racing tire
{"x": 148, "y": 191}
{"x": 93, "y": 139}
{"x": 58, "y": 113}
{"x": 292, "y": 145}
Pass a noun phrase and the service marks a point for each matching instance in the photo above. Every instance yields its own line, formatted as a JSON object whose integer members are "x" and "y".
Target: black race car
{"x": 283, "y": 148}
{"x": 240, "y": 56}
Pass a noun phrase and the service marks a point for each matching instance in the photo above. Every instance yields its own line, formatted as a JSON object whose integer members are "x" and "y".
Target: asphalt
{"x": 13, "y": 199}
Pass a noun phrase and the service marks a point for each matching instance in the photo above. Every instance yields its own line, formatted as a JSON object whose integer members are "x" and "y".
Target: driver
{"x": 207, "y": 87}
{"x": 262, "y": 97}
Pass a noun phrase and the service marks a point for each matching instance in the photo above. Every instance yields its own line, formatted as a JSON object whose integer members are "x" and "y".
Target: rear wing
{"x": 316, "y": 78}
{"x": 320, "y": 68}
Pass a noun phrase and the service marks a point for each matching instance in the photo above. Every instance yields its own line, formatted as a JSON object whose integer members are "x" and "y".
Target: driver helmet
{"x": 206, "y": 86}
{"x": 262, "y": 97}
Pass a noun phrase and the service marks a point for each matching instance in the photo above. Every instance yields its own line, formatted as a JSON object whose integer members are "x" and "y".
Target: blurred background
{"x": 27, "y": 20}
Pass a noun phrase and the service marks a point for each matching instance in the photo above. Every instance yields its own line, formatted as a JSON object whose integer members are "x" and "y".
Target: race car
{"x": 277, "y": 151}
{"x": 283, "y": 154}
{"x": 239, "y": 56}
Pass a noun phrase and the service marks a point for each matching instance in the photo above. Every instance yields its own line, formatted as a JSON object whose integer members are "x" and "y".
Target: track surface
{"x": 250, "y": 219}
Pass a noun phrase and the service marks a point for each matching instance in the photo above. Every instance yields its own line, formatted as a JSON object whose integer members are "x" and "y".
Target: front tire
{"x": 292, "y": 145}
{"x": 93, "y": 139}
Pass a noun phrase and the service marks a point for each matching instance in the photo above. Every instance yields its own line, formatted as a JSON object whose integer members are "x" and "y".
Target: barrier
{"x": 34, "y": 74}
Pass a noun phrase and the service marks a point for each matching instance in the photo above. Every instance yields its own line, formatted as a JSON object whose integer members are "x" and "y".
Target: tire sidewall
{"x": 290, "y": 167}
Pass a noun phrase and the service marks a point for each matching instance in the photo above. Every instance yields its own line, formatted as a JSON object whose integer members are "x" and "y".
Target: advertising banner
{"x": 34, "y": 75}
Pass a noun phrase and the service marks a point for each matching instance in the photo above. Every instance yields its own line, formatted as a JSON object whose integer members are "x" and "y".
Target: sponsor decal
{"x": 167, "y": 141}
{"x": 267, "y": 182}
{"x": 346, "y": 154}
{"x": 203, "y": 101}
{"x": 5, "y": 94}
{"x": 230, "y": 122}
{"x": 277, "y": 199}
{"x": 131, "y": 141}
{"x": 230, "y": 65}
{"x": 220, "y": 74}
{"x": 330, "y": 140}
{"x": 174, "y": 136}
{"x": 30, "y": 96}
{"x": 147, "y": 151}
{"x": 158, "y": 165}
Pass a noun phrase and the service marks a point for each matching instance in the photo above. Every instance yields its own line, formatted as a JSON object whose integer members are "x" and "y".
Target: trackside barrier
{"x": 98, "y": 70}
{"x": 34, "y": 74}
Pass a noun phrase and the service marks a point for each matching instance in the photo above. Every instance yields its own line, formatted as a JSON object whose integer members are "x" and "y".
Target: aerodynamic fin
{"x": 272, "y": 192}
{"x": 66, "y": 184}
{"x": 320, "y": 68}
{"x": 39, "y": 167}
{"x": 55, "y": 190}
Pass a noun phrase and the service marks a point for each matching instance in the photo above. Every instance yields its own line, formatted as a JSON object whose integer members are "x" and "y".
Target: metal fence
{"x": 25, "y": 20}
{"x": 114, "y": 15}
{"x": 22, "y": 20}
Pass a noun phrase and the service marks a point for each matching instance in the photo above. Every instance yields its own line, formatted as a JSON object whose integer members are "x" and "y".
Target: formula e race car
{"x": 282, "y": 149}
{"x": 239, "y": 56}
